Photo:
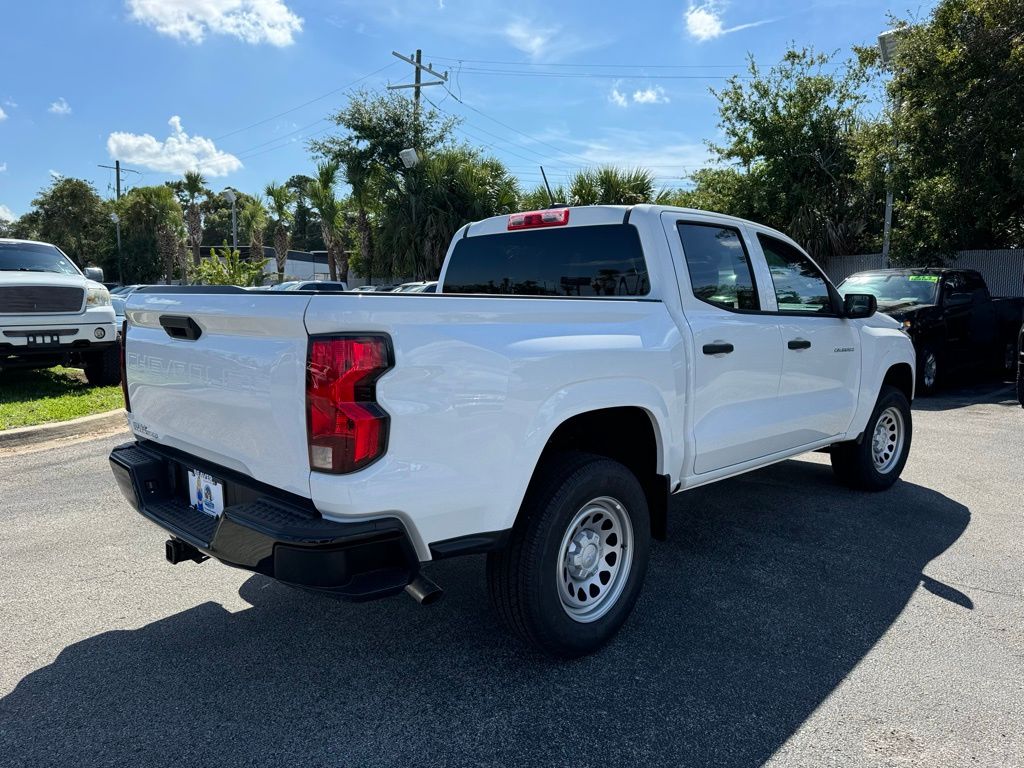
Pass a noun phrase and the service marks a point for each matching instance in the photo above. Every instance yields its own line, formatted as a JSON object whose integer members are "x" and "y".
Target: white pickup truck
{"x": 576, "y": 368}
{"x": 52, "y": 314}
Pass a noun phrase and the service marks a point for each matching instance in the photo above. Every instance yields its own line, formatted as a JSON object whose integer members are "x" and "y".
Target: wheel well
{"x": 627, "y": 436}
{"x": 902, "y": 377}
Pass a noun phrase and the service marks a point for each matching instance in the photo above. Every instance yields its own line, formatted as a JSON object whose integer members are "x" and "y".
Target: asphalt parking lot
{"x": 787, "y": 620}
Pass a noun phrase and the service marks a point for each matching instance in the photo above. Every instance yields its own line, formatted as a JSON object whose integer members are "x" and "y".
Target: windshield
{"x": 893, "y": 289}
{"x": 34, "y": 257}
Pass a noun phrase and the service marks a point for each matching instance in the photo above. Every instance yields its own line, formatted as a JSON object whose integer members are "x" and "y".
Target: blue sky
{"x": 236, "y": 87}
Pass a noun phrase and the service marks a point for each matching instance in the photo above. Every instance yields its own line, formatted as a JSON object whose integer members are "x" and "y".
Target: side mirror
{"x": 957, "y": 299}
{"x": 858, "y": 305}
{"x": 94, "y": 273}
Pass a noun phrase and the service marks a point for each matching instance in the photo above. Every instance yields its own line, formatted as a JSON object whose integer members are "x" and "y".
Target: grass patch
{"x": 56, "y": 394}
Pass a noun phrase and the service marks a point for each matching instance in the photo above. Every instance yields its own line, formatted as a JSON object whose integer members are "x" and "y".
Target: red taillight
{"x": 124, "y": 366}
{"x": 347, "y": 428}
{"x": 534, "y": 219}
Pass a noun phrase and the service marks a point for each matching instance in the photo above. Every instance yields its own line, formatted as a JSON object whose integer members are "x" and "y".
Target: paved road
{"x": 787, "y": 620}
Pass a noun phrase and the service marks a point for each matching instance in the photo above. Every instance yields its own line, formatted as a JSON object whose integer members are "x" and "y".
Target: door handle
{"x": 721, "y": 348}
{"x": 179, "y": 327}
{"x": 799, "y": 344}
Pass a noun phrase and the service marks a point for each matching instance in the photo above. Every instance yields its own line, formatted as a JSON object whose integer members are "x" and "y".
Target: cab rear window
{"x": 605, "y": 260}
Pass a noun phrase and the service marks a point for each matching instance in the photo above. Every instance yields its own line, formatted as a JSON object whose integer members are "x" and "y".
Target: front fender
{"x": 883, "y": 348}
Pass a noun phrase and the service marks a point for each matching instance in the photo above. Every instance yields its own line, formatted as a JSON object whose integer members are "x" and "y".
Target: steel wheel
{"x": 887, "y": 440}
{"x": 594, "y": 559}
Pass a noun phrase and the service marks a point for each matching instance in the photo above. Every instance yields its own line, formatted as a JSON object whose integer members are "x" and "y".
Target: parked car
{"x": 430, "y": 287}
{"x": 416, "y": 287}
{"x": 318, "y": 285}
{"x": 53, "y": 314}
{"x": 578, "y": 366}
{"x": 954, "y": 322}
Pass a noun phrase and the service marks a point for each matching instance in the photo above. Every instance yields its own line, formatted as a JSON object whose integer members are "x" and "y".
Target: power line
{"x": 620, "y": 66}
{"x": 306, "y": 103}
{"x": 516, "y": 130}
{"x": 595, "y": 75}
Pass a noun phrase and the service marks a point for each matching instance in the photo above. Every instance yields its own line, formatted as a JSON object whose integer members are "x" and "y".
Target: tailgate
{"x": 222, "y": 376}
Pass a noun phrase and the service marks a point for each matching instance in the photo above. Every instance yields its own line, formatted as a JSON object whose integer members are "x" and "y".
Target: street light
{"x": 120, "y": 262}
{"x": 231, "y": 197}
{"x": 409, "y": 158}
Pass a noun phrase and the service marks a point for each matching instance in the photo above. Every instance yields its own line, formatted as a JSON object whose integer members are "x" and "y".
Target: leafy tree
{"x": 280, "y": 199}
{"x": 376, "y": 128}
{"x": 194, "y": 186}
{"x": 789, "y": 157}
{"x": 253, "y": 221}
{"x": 71, "y": 215}
{"x": 25, "y": 227}
{"x": 958, "y": 93}
{"x": 153, "y": 232}
{"x": 306, "y": 229}
{"x": 427, "y": 205}
{"x": 227, "y": 268}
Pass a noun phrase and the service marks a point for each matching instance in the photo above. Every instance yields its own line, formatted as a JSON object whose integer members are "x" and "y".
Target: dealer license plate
{"x": 206, "y": 493}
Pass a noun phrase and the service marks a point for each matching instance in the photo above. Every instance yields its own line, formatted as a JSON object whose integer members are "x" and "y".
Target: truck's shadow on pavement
{"x": 770, "y": 590}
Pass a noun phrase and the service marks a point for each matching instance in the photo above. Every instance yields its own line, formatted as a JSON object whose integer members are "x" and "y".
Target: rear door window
{"x": 604, "y": 260}
{"x": 719, "y": 267}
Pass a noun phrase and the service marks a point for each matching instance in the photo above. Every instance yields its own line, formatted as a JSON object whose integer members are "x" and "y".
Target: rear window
{"x": 604, "y": 260}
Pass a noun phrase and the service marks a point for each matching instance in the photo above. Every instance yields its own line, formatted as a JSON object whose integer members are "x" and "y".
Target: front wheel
{"x": 103, "y": 369}
{"x": 927, "y": 371}
{"x": 875, "y": 463}
{"x": 576, "y": 560}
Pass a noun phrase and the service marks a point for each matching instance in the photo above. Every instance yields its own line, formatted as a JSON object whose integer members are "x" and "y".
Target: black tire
{"x": 854, "y": 463}
{"x": 1020, "y": 382}
{"x": 103, "y": 369}
{"x": 928, "y": 373}
{"x": 525, "y": 577}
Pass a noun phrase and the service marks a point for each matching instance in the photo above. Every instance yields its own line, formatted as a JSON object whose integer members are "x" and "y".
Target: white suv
{"x": 52, "y": 314}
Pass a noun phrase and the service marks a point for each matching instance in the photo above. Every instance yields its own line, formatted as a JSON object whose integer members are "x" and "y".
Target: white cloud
{"x": 60, "y": 107}
{"x": 3, "y": 167}
{"x": 6, "y": 214}
{"x": 655, "y": 95}
{"x": 529, "y": 39}
{"x": 3, "y": 115}
{"x": 177, "y": 154}
{"x": 704, "y": 22}
{"x": 617, "y": 97}
{"x": 252, "y": 21}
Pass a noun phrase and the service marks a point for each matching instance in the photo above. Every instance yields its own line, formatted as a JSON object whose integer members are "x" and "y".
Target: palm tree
{"x": 280, "y": 199}
{"x": 332, "y": 220}
{"x": 254, "y": 222}
{"x": 194, "y": 186}
{"x": 612, "y": 186}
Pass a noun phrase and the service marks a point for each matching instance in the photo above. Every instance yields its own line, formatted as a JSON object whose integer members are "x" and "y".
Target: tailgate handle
{"x": 181, "y": 327}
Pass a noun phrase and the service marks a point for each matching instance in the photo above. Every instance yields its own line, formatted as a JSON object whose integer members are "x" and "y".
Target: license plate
{"x": 43, "y": 340}
{"x": 206, "y": 493}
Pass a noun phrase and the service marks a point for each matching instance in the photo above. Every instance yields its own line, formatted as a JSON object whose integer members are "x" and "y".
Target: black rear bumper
{"x": 265, "y": 530}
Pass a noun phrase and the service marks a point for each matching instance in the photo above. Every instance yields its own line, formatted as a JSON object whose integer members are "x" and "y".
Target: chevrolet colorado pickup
{"x": 52, "y": 314}
{"x": 954, "y": 322}
{"x": 576, "y": 368}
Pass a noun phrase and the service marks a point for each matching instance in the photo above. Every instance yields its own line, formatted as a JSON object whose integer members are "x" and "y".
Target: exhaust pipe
{"x": 178, "y": 551}
{"x": 423, "y": 590}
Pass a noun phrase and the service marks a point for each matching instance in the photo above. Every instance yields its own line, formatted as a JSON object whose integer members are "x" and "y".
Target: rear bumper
{"x": 267, "y": 531}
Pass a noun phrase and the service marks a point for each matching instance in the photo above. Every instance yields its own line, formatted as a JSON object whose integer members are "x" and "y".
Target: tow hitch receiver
{"x": 178, "y": 551}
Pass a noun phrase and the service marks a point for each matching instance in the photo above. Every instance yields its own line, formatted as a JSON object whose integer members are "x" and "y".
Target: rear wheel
{"x": 576, "y": 560}
{"x": 103, "y": 369}
{"x": 876, "y": 462}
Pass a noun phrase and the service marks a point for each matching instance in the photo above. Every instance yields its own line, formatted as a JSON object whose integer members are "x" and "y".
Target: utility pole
{"x": 417, "y": 62}
{"x": 116, "y": 168}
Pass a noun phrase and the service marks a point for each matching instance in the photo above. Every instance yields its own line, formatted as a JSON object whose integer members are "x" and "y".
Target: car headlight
{"x": 907, "y": 324}
{"x": 97, "y": 297}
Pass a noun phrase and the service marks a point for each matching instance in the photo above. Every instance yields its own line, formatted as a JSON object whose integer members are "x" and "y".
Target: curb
{"x": 41, "y": 433}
